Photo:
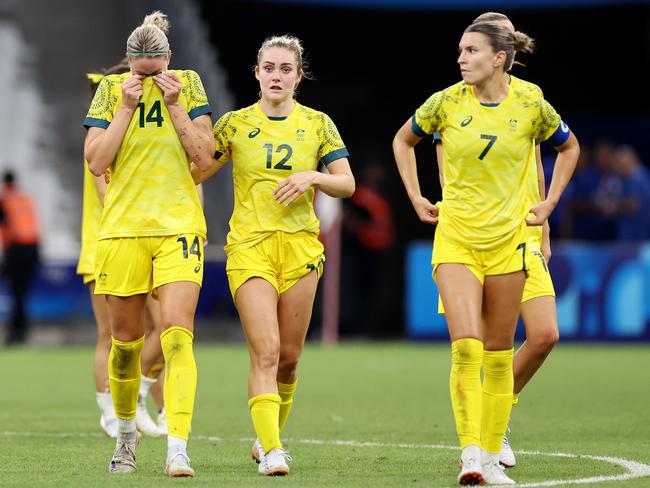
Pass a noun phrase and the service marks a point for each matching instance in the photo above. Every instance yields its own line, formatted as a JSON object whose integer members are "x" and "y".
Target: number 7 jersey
{"x": 266, "y": 150}
{"x": 488, "y": 150}
{"x": 151, "y": 192}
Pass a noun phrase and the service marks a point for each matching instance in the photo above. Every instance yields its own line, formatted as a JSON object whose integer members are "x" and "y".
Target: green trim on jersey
{"x": 198, "y": 111}
{"x": 334, "y": 155}
{"x": 93, "y": 122}
{"x": 417, "y": 130}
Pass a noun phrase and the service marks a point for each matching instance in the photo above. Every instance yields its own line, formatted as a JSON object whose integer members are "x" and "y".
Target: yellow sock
{"x": 124, "y": 376}
{"x": 265, "y": 410}
{"x": 498, "y": 384}
{"x": 180, "y": 380}
{"x": 515, "y": 399}
{"x": 465, "y": 388}
{"x": 286, "y": 392}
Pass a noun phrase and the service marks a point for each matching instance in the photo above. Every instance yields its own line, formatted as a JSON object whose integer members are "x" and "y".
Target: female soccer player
{"x": 489, "y": 123}
{"x": 538, "y": 308}
{"x": 274, "y": 255}
{"x": 146, "y": 126}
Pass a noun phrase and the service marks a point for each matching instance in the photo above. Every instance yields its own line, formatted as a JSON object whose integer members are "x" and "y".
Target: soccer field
{"x": 364, "y": 415}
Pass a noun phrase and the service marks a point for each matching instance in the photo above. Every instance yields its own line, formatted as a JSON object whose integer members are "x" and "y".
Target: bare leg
{"x": 294, "y": 315}
{"x": 257, "y": 304}
{"x": 540, "y": 320}
{"x": 103, "y": 346}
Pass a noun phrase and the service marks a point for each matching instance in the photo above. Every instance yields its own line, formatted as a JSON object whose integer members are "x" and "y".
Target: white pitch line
{"x": 634, "y": 469}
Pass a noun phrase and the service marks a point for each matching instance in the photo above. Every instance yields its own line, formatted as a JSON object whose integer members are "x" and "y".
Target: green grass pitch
{"x": 389, "y": 402}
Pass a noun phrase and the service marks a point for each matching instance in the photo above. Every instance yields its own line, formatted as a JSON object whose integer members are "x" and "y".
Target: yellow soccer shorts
{"x": 127, "y": 266}
{"x": 538, "y": 278}
{"x": 281, "y": 259}
{"x": 538, "y": 281}
{"x": 88, "y": 278}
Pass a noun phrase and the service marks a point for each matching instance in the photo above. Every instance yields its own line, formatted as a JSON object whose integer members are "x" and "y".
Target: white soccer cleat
{"x": 274, "y": 463}
{"x": 471, "y": 472}
{"x": 161, "y": 422}
{"x": 109, "y": 426}
{"x": 179, "y": 467}
{"x": 143, "y": 420}
{"x": 493, "y": 474}
{"x": 506, "y": 456}
{"x": 257, "y": 451}
{"x": 123, "y": 460}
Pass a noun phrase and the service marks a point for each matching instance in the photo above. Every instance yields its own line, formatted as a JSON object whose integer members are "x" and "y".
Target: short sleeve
{"x": 428, "y": 118}
{"x": 548, "y": 121}
{"x": 197, "y": 100}
{"x": 222, "y": 132}
{"x": 331, "y": 145}
{"x": 100, "y": 113}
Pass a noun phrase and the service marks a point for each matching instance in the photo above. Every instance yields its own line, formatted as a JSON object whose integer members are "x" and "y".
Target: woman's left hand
{"x": 295, "y": 185}
{"x": 170, "y": 84}
{"x": 541, "y": 211}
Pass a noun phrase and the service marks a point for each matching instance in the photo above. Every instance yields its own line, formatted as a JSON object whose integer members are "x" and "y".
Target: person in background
{"x": 632, "y": 208}
{"x": 20, "y": 229}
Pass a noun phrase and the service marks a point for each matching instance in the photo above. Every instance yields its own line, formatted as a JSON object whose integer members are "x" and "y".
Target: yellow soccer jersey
{"x": 488, "y": 152}
{"x": 151, "y": 191}
{"x": 91, "y": 215}
{"x": 266, "y": 150}
{"x": 534, "y": 232}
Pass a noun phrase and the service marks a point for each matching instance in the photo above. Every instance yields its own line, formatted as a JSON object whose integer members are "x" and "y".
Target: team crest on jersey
{"x": 300, "y": 135}
{"x": 466, "y": 121}
{"x": 512, "y": 124}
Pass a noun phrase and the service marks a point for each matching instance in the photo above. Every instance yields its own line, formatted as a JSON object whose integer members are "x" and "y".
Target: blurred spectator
{"x": 632, "y": 208}
{"x": 596, "y": 188}
{"x": 20, "y": 238}
{"x": 368, "y": 236}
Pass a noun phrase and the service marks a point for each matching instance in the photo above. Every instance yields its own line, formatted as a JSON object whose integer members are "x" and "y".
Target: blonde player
{"x": 538, "y": 308}
{"x": 489, "y": 123}
{"x": 146, "y": 126}
{"x": 274, "y": 255}
{"x": 152, "y": 359}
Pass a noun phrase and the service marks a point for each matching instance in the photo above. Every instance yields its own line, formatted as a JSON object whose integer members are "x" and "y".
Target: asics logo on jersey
{"x": 466, "y": 121}
{"x": 565, "y": 128}
{"x": 254, "y": 132}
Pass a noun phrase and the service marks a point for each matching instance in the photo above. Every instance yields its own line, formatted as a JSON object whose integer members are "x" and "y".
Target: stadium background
{"x": 374, "y": 63}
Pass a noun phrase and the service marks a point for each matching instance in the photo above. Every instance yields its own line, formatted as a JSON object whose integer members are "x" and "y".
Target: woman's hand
{"x": 131, "y": 92}
{"x": 171, "y": 86}
{"x": 295, "y": 185}
{"x": 427, "y": 211}
{"x": 541, "y": 211}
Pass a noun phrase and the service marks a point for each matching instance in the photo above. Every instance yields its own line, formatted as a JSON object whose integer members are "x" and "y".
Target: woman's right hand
{"x": 427, "y": 211}
{"x": 132, "y": 91}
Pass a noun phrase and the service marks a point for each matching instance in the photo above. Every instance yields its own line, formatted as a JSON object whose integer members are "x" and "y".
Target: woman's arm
{"x": 195, "y": 135}
{"x": 541, "y": 186}
{"x": 101, "y": 145}
{"x": 337, "y": 182}
{"x": 404, "y": 150}
{"x": 565, "y": 163}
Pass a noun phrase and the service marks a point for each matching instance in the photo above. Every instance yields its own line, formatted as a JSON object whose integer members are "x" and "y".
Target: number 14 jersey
{"x": 151, "y": 192}
{"x": 266, "y": 150}
{"x": 488, "y": 150}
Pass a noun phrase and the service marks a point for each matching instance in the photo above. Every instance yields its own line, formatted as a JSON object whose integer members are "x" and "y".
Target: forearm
{"x": 100, "y": 152}
{"x": 340, "y": 185}
{"x": 564, "y": 166}
{"x": 199, "y": 175}
{"x": 407, "y": 167}
{"x": 197, "y": 141}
